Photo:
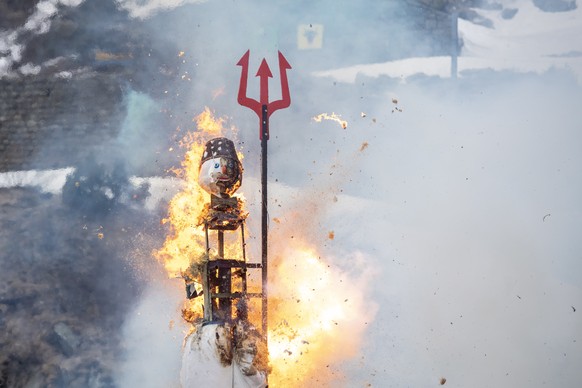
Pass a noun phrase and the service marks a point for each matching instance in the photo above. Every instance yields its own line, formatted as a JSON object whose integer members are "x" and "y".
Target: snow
{"x": 449, "y": 206}
{"x": 531, "y": 42}
{"x": 49, "y": 181}
{"x": 52, "y": 181}
{"x": 403, "y": 68}
{"x": 145, "y": 8}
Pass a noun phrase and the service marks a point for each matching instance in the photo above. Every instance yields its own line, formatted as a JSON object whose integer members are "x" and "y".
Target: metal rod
{"x": 206, "y": 285}
{"x": 224, "y": 280}
{"x": 221, "y": 244}
{"x": 244, "y": 244}
{"x": 244, "y": 269}
{"x": 207, "y": 239}
{"x": 264, "y": 218}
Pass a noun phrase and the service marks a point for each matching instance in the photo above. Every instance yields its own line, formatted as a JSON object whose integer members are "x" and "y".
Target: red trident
{"x": 264, "y": 109}
{"x": 263, "y": 106}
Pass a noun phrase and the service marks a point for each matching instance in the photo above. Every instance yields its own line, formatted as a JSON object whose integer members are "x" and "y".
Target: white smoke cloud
{"x": 480, "y": 285}
{"x": 154, "y": 332}
{"x": 146, "y": 8}
{"x": 472, "y": 214}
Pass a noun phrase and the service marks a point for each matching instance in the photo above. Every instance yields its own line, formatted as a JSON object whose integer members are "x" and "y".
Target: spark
{"x": 334, "y": 117}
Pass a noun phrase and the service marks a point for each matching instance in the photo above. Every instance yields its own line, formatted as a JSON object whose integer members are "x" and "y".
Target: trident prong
{"x": 242, "y": 89}
{"x": 264, "y": 73}
{"x": 285, "y": 100}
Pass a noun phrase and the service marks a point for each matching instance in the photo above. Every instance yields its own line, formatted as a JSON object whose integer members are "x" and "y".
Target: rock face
{"x": 65, "y": 287}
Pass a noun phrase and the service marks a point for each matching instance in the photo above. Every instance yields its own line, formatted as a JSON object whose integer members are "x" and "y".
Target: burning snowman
{"x": 220, "y": 170}
{"x": 224, "y": 349}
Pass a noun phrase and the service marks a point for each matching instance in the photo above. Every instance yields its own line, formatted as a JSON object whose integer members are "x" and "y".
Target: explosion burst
{"x": 318, "y": 314}
{"x": 312, "y": 303}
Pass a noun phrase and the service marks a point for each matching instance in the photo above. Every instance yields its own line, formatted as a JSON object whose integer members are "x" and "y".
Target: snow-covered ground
{"x": 48, "y": 181}
{"x": 532, "y": 41}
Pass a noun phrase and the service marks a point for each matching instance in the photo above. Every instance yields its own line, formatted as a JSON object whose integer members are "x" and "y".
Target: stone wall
{"x": 47, "y": 121}
{"x": 50, "y": 121}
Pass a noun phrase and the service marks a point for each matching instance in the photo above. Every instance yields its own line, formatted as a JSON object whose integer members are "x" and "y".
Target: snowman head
{"x": 220, "y": 170}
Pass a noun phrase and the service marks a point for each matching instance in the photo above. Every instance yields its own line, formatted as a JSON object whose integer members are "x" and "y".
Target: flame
{"x": 185, "y": 244}
{"x": 317, "y": 315}
{"x": 334, "y": 117}
{"x": 317, "y": 311}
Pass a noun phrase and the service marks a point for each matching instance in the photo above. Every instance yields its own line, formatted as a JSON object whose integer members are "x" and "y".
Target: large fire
{"x": 185, "y": 245}
{"x": 317, "y": 312}
{"x": 186, "y": 241}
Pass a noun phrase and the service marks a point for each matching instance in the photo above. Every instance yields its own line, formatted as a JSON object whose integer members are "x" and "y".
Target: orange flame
{"x": 334, "y": 117}
{"x": 317, "y": 311}
{"x": 317, "y": 315}
{"x": 185, "y": 245}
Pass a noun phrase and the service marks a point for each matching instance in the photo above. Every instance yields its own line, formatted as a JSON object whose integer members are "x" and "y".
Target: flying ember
{"x": 334, "y": 117}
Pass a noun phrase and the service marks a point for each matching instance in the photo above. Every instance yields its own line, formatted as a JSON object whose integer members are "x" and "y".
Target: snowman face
{"x": 217, "y": 169}
{"x": 219, "y": 176}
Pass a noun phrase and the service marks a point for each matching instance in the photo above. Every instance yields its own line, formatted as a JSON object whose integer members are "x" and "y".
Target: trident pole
{"x": 264, "y": 217}
{"x": 264, "y": 109}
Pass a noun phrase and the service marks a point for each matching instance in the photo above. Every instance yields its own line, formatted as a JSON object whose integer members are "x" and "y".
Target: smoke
{"x": 66, "y": 288}
{"x": 143, "y": 142}
{"x": 470, "y": 279}
{"x": 153, "y": 334}
{"x": 461, "y": 213}
{"x": 473, "y": 230}
{"x": 80, "y": 258}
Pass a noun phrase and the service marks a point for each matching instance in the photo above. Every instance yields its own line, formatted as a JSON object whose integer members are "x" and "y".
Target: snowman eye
{"x": 216, "y": 165}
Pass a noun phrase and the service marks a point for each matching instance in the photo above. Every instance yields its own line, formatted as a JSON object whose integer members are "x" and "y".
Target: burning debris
{"x": 334, "y": 117}
{"x": 215, "y": 276}
{"x": 396, "y": 108}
